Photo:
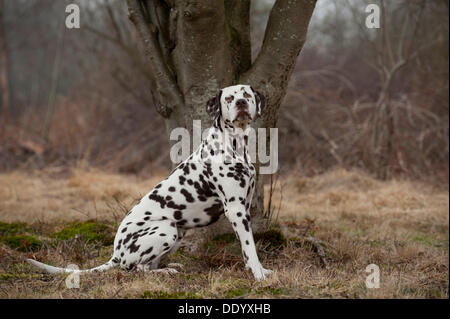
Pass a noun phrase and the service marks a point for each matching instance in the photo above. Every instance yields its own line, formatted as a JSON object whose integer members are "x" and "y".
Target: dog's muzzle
{"x": 242, "y": 111}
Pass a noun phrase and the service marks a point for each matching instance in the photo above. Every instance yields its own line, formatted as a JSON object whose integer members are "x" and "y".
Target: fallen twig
{"x": 317, "y": 243}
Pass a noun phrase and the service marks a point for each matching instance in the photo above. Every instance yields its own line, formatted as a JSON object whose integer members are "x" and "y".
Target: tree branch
{"x": 165, "y": 89}
{"x": 237, "y": 14}
{"x": 284, "y": 38}
{"x": 159, "y": 15}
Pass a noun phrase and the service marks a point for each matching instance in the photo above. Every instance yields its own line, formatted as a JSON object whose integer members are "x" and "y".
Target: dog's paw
{"x": 262, "y": 274}
{"x": 267, "y": 272}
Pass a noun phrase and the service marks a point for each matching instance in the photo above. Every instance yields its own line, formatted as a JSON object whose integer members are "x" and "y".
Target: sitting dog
{"x": 217, "y": 178}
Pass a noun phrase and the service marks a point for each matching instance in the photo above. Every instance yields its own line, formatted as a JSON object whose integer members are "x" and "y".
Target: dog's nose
{"x": 241, "y": 103}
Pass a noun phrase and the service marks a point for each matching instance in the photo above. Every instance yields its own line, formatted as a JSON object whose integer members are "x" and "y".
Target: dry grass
{"x": 401, "y": 226}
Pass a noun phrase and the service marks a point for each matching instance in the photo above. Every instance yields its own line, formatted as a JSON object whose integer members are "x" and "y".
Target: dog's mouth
{"x": 242, "y": 116}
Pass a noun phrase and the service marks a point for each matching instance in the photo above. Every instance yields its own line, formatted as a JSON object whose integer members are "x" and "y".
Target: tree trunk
{"x": 4, "y": 87}
{"x": 195, "y": 48}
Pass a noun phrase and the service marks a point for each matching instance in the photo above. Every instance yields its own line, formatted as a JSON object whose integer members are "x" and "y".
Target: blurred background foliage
{"x": 372, "y": 99}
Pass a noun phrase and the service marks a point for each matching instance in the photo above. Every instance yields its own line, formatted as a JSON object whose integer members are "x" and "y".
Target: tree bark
{"x": 4, "y": 87}
{"x": 195, "y": 48}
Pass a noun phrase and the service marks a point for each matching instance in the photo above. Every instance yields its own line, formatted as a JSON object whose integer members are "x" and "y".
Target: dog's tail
{"x": 57, "y": 270}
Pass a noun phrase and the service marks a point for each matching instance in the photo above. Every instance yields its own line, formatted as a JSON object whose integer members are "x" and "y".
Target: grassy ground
{"x": 330, "y": 227}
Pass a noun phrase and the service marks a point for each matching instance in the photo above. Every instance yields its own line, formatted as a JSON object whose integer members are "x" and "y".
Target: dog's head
{"x": 237, "y": 105}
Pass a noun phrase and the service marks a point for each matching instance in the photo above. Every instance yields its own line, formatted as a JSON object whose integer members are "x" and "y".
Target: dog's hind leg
{"x": 181, "y": 233}
{"x": 155, "y": 245}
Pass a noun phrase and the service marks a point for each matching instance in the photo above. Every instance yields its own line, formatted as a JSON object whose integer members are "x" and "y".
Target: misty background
{"x": 371, "y": 99}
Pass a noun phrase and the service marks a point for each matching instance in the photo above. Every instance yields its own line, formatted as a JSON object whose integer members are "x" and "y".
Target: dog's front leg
{"x": 240, "y": 220}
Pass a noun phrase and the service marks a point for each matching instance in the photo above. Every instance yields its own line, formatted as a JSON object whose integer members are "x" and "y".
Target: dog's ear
{"x": 260, "y": 101}
{"x": 213, "y": 106}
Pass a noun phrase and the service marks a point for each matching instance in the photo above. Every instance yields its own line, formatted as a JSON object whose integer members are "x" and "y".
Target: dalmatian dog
{"x": 218, "y": 178}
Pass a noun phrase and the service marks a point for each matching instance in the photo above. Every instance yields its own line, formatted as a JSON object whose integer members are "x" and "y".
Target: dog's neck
{"x": 233, "y": 140}
{"x": 222, "y": 125}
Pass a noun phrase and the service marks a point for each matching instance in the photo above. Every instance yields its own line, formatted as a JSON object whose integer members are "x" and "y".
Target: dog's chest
{"x": 195, "y": 193}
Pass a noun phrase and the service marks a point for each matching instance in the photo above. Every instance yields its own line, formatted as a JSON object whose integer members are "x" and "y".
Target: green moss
{"x": 169, "y": 295}
{"x": 236, "y": 292}
{"x": 7, "y": 276}
{"x": 7, "y": 229}
{"x": 90, "y": 231}
{"x": 22, "y": 242}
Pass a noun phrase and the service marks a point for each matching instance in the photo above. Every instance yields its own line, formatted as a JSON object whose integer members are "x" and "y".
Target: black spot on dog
{"x": 245, "y": 222}
{"x": 214, "y": 212}
{"x": 229, "y": 99}
{"x": 171, "y": 204}
{"x": 146, "y": 252}
{"x": 187, "y": 195}
{"x": 133, "y": 247}
{"x": 182, "y": 222}
{"x": 177, "y": 215}
{"x": 127, "y": 238}
{"x": 158, "y": 198}
{"x": 172, "y": 189}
